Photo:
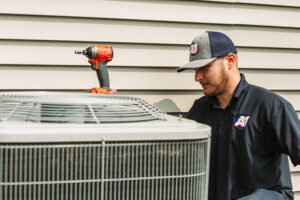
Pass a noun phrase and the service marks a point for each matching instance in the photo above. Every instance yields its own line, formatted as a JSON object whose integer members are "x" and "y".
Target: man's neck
{"x": 225, "y": 97}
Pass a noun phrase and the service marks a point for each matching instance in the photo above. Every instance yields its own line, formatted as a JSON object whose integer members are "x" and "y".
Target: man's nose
{"x": 198, "y": 75}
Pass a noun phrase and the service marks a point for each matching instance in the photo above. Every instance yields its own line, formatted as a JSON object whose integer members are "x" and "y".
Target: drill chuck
{"x": 84, "y": 52}
{"x": 90, "y": 52}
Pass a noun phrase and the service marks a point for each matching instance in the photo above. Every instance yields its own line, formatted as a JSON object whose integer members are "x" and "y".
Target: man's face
{"x": 212, "y": 77}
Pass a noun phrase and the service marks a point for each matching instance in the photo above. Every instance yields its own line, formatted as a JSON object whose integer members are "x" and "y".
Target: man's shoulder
{"x": 266, "y": 98}
{"x": 200, "y": 109}
{"x": 202, "y": 101}
{"x": 265, "y": 95}
{"x": 200, "y": 104}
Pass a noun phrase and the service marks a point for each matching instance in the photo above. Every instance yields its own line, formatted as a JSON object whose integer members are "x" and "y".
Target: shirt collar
{"x": 243, "y": 84}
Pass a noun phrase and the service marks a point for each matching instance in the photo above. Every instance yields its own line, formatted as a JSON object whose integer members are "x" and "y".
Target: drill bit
{"x": 80, "y": 52}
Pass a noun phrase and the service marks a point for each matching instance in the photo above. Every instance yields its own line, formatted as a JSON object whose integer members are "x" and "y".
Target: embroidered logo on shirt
{"x": 241, "y": 121}
{"x": 194, "y": 48}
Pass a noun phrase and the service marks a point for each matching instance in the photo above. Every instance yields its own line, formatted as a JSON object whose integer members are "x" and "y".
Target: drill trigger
{"x": 94, "y": 64}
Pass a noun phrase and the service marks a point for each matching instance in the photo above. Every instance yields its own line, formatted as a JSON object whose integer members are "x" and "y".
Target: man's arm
{"x": 286, "y": 126}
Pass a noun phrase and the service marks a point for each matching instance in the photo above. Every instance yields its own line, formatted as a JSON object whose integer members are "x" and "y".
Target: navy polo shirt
{"x": 251, "y": 139}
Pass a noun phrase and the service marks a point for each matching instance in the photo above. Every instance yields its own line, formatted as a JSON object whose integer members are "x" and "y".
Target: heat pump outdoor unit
{"x": 58, "y": 146}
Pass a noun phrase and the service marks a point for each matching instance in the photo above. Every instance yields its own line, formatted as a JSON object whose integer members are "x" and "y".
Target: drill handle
{"x": 102, "y": 74}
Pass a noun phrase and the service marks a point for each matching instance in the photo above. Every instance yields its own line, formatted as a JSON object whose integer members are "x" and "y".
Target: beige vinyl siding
{"x": 282, "y": 3}
{"x": 170, "y": 11}
{"x": 150, "y": 40}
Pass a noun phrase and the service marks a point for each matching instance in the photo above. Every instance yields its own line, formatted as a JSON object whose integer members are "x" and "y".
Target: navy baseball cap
{"x": 207, "y": 47}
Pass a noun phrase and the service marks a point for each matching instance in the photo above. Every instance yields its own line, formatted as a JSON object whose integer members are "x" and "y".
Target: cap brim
{"x": 196, "y": 64}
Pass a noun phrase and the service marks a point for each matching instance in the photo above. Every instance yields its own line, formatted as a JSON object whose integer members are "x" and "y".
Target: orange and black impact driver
{"x": 99, "y": 56}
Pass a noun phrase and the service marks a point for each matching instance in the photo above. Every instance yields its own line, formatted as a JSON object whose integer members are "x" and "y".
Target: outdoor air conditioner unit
{"x": 88, "y": 146}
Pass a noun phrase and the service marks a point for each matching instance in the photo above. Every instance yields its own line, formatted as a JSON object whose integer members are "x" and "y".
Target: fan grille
{"x": 54, "y": 107}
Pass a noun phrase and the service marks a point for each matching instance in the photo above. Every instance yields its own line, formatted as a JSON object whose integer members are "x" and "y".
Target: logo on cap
{"x": 194, "y": 48}
{"x": 241, "y": 121}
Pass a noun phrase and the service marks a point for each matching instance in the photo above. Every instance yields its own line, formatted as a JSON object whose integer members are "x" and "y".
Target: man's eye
{"x": 202, "y": 68}
{"x": 205, "y": 68}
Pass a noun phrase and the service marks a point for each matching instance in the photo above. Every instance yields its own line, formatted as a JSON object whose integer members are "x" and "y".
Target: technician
{"x": 253, "y": 129}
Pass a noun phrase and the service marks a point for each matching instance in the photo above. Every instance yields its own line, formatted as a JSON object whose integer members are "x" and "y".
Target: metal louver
{"x": 131, "y": 171}
{"x": 54, "y": 107}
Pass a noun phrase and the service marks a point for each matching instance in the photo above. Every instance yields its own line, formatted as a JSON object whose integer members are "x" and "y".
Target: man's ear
{"x": 231, "y": 60}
